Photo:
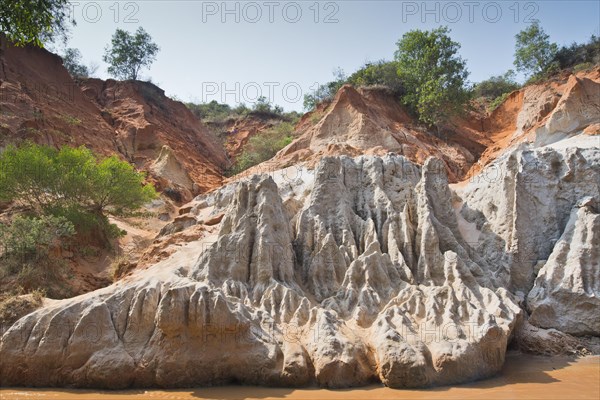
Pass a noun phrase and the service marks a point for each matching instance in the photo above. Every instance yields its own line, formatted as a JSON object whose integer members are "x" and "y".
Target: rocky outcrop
{"x": 542, "y": 113}
{"x": 172, "y": 174}
{"x": 343, "y": 270}
{"x": 566, "y": 294}
{"x": 520, "y": 205}
{"x": 368, "y": 268}
{"x": 578, "y": 108}
{"x": 373, "y": 280}
{"x": 372, "y": 121}
{"x": 145, "y": 120}
{"x": 41, "y": 102}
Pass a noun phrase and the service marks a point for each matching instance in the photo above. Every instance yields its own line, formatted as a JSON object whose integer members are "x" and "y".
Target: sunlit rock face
{"x": 363, "y": 269}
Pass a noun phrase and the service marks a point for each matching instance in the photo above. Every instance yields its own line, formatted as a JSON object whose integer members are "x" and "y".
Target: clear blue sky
{"x": 271, "y": 46}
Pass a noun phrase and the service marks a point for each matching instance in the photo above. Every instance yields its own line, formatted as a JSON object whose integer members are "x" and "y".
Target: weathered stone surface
{"x": 364, "y": 269}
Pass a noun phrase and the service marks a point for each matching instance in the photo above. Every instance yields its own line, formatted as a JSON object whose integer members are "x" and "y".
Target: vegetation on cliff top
{"x": 429, "y": 77}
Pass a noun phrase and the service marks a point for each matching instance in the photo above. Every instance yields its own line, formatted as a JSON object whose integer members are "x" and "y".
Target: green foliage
{"x": 497, "y": 101}
{"x": 212, "y": 111}
{"x": 70, "y": 178}
{"x": 383, "y": 73}
{"x": 264, "y": 146}
{"x": 325, "y": 92}
{"x": 117, "y": 186}
{"x": 25, "y": 249}
{"x": 72, "y": 62}
{"x": 433, "y": 74}
{"x": 90, "y": 227}
{"x": 496, "y": 86}
{"x": 582, "y": 67}
{"x": 34, "y": 21}
{"x": 534, "y": 54}
{"x": 128, "y": 53}
{"x": 69, "y": 119}
{"x": 577, "y": 54}
{"x": 264, "y": 107}
{"x": 241, "y": 109}
{"x": 29, "y": 239}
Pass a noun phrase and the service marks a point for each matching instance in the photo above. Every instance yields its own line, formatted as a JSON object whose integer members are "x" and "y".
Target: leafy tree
{"x": 325, "y": 92}
{"x": 579, "y": 53}
{"x": 72, "y": 62}
{"x": 384, "y": 73}
{"x": 47, "y": 179}
{"x": 34, "y": 21}
{"x": 262, "y": 106}
{"x": 433, "y": 74}
{"x": 533, "y": 51}
{"x": 241, "y": 109}
{"x": 212, "y": 111}
{"x": 128, "y": 53}
{"x": 496, "y": 86}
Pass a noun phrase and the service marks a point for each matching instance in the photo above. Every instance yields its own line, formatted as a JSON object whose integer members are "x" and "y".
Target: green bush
{"x": 264, "y": 146}
{"x": 25, "y": 249}
{"x": 211, "y": 112}
{"x": 214, "y": 112}
{"x": 384, "y": 73}
{"x": 497, "y": 101}
{"x": 28, "y": 238}
{"x": 579, "y": 53}
{"x": 47, "y": 179}
{"x": 325, "y": 92}
{"x": 582, "y": 66}
{"x": 263, "y": 107}
{"x": 73, "y": 184}
{"x": 496, "y": 86}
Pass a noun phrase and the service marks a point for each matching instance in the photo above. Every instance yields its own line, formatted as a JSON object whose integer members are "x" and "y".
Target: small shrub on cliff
{"x": 325, "y": 92}
{"x": 264, "y": 146}
{"x": 496, "y": 89}
{"x": 496, "y": 86}
{"x": 497, "y": 101}
{"x": 380, "y": 73}
{"x": 28, "y": 249}
{"x": 211, "y": 111}
{"x": 72, "y": 62}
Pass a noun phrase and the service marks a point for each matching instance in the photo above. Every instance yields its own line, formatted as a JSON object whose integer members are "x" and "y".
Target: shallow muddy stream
{"x": 523, "y": 377}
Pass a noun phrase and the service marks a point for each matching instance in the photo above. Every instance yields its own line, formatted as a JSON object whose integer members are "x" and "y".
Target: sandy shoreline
{"x": 523, "y": 377}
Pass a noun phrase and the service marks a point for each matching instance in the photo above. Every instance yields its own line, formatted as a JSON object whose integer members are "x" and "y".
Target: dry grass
{"x": 120, "y": 266}
{"x": 13, "y": 306}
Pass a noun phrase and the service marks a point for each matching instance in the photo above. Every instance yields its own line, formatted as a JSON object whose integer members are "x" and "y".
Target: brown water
{"x": 523, "y": 377}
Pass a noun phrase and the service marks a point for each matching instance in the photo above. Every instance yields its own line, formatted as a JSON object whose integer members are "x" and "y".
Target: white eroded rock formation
{"x": 364, "y": 269}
